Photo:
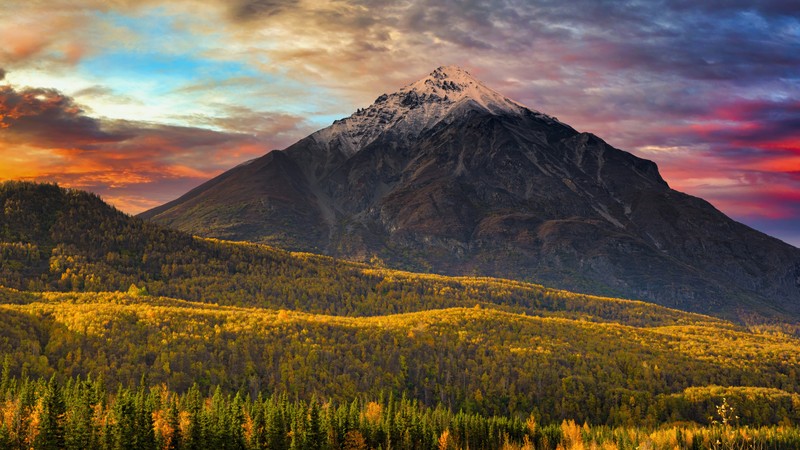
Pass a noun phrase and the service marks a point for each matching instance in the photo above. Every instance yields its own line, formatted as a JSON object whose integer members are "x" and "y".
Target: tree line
{"x": 80, "y": 413}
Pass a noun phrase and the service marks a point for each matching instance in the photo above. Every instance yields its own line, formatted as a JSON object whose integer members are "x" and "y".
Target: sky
{"x": 142, "y": 100}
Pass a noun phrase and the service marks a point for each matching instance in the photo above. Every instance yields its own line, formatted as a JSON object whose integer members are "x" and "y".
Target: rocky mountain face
{"x": 448, "y": 176}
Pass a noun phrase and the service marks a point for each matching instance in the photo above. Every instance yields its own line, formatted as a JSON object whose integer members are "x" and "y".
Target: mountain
{"x": 448, "y": 176}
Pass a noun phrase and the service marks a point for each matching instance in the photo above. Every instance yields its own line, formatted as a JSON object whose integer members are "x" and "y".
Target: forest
{"x": 81, "y": 413}
{"x": 477, "y": 359}
{"x": 109, "y": 320}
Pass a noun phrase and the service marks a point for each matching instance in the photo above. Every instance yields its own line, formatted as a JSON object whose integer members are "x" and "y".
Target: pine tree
{"x": 235, "y": 424}
{"x": 314, "y": 438}
{"x": 5, "y": 378}
{"x": 276, "y": 428}
{"x": 79, "y": 430}
{"x": 124, "y": 429}
{"x": 258, "y": 439}
{"x": 296, "y": 431}
{"x": 145, "y": 438}
{"x": 217, "y": 422}
{"x": 173, "y": 420}
{"x": 51, "y": 418}
{"x": 195, "y": 439}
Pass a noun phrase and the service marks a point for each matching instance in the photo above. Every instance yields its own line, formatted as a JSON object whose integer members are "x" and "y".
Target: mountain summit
{"x": 447, "y": 93}
{"x": 447, "y": 175}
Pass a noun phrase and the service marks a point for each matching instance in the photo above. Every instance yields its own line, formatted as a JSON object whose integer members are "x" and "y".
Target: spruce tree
{"x": 79, "y": 433}
{"x": 124, "y": 428}
{"x": 235, "y": 423}
{"x": 195, "y": 439}
{"x": 258, "y": 439}
{"x": 173, "y": 420}
{"x": 276, "y": 428}
{"x": 145, "y": 438}
{"x": 51, "y": 418}
{"x": 314, "y": 438}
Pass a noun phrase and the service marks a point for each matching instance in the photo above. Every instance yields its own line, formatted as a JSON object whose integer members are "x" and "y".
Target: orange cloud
{"x": 48, "y": 137}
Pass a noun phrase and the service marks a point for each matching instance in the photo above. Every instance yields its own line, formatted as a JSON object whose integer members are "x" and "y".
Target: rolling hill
{"x": 138, "y": 299}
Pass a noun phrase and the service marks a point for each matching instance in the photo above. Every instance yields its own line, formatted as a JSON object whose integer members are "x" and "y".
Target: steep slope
{"x": 449, "y": 176}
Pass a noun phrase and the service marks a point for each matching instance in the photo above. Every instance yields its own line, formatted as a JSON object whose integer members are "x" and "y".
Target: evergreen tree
{"x": 79, "y": 432}
{"x": 276, "y": 428}
{"x": 296, "y": 431}
{"x": 195, "y": 439}
{"x": 145, "y": 438}
{"x": 173, "y": 420}
{"x": 314, "y": 438}
{"x": 51, "y": 418}
{"x": 235, "y": 424}
{"x": 5, "y": 378}
{"x": 123, "y": 431}
{"x": 258, "y": 439}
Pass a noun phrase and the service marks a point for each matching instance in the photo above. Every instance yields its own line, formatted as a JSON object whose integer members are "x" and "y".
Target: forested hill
{"x": 477, "y": 359}
{"x": 89, "y": 291}
{"x": 55, "y": 239}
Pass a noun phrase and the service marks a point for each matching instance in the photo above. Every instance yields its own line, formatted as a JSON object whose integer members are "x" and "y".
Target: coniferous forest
{"x": 117, "y": 333}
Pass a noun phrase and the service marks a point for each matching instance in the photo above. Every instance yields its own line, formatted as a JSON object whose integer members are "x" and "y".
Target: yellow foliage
{"x": 373, "y": 412}
{"x": 445, "y": 442}
{"x": 572, "y": 438}
{"x": 530, "y": 425}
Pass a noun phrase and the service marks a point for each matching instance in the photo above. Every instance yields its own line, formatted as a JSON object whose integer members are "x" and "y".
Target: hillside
{"x": 66, "y": 240}
{"x": 449, "y": 176}
{"x": 254, "y": 319}
{"x": 480, "y": 359}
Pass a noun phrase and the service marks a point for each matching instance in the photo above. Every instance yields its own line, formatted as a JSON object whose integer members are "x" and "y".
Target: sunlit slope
{"x": 478, "y": 358}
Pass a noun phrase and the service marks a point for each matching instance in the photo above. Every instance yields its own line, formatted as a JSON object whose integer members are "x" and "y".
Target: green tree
{"x": 314, "y": 438}
{"x": 51, "y": 418}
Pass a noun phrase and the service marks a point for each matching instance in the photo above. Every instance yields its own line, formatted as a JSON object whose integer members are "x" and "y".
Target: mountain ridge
{"x": 497, "y": 189}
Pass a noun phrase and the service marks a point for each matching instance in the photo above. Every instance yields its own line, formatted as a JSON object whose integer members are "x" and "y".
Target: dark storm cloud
{"x": 768, "y": 8}
{"x": 668, "y": 37}
{"x": 763, "y": 121}
{"x": 47, "y": 118}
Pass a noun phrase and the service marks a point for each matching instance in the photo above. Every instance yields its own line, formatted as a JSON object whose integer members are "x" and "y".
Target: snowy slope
{"x": 445, "y": 92}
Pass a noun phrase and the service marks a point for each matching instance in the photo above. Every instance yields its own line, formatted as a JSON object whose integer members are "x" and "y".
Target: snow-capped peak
{"x": 415, "y": 108}
{"x": 456, "y": 84}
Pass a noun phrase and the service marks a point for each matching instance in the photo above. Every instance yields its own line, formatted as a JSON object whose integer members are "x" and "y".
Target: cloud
{"x": 769, "y": 125}
{"x": 46, "y": 117}
{"x": 48, "y": 136}
{"x": 707, "y": 89}
{"x": 2, "y": 74}
{"x": 257, "y": 9}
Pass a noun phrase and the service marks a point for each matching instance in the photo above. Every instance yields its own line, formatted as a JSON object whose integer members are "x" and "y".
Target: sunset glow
{"x": 140, "y": 101}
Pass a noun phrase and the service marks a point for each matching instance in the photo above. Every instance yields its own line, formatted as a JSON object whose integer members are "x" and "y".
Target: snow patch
{"x": 445, "y": 92}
